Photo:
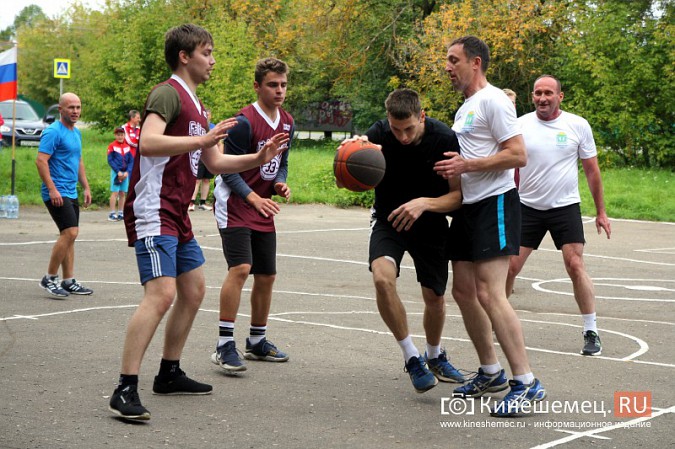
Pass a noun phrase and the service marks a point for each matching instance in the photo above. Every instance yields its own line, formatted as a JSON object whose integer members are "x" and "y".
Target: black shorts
{"x": 66, "y": 216}
{"x": 564, "y": 224}
{"x": 247, "y": 246}
{"x": 426, "y": 247}
{"x": 203, "y": 172}
{"x": 487, "y": 229}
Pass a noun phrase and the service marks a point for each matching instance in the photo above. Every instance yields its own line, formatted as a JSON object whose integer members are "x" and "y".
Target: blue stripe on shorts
{"x": 500, "y": 221}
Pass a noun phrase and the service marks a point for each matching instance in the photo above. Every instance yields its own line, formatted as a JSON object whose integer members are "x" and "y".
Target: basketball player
{"x": 486, "y": 229}
{"x": 174, "y": 136}
{"x": 409, "y": 214}
{"x": 245, "y": 212}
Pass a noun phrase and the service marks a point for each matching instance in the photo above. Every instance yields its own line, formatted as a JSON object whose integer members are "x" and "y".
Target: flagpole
{"x": 14, "y": 120}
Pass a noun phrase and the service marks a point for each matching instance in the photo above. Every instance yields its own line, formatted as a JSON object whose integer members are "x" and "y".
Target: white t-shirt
{"x": 486, "y": 119}
{"x": 551, "y": 177}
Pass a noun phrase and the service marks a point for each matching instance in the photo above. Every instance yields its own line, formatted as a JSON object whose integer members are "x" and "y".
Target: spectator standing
{"x": 121, "y": 163}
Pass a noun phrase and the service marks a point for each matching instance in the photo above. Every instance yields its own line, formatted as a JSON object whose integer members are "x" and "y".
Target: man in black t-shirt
{"x": 409, "y": 214}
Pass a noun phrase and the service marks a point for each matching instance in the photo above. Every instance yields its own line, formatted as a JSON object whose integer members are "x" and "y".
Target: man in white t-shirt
{"x": 549, "y": 194}
{"x": 485, "y": 231}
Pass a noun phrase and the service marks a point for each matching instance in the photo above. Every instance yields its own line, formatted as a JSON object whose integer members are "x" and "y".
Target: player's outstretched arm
{"x": 155, "y": 144}
{"x": 218, "y": 163}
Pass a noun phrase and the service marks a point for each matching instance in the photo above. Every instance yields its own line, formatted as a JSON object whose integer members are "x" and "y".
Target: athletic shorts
{"x": 66, "y": 216}
{"x": 487, "y": 229}
{"x": 163, "y": 255}
{"x": 564, "y": 224}
{"x": 247, "y": 246}
{"x": 426, "y": 248}
{"x": 121, "y": 187}
{"x": 203, "y": 172}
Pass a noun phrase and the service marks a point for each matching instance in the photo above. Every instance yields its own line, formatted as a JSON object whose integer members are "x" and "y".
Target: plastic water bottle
{"x": 3, "y": 206}
{"x": 12, "y": 206}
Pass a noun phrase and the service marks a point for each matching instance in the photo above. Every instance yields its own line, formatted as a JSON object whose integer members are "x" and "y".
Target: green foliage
{"x": 618, "y": 74}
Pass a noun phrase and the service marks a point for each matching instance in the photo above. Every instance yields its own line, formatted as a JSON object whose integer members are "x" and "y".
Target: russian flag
{"x": 8, "y": 75}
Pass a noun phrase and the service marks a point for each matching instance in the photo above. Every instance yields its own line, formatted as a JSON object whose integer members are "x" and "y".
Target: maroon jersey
{"x": 160, "y": 188}
{"x": 251, "y": 133}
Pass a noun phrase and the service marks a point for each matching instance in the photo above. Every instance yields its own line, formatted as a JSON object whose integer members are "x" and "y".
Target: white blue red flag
{"x": 8, "y": 75}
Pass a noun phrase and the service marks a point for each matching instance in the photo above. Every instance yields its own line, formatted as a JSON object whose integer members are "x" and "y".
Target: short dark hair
{"x": 402, "y": 104}
{"x": 557, "y": 81}
{"x": 473, "y": 47}
{"x": 267, "y": 65}
{"x": 184, "y": 38}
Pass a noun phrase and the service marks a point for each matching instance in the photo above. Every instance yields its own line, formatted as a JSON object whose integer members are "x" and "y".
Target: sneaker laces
{"x": 75, "y": 286}
{"x": 415, "y": 369}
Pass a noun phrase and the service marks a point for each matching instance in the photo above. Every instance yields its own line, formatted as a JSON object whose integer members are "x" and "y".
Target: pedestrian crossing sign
{"x": 61, "y": 68}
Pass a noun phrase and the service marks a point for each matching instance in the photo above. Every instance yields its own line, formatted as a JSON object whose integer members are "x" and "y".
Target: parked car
{"x": 28, "y": 124}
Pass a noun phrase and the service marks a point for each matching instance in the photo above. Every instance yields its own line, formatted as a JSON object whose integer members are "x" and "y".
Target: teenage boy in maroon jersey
{"x": 174, "y": 136}
{"x": 245, "y": 214}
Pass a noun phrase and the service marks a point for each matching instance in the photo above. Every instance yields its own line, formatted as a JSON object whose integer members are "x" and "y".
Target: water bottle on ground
{"x": 13, "y": 207}
{"x": 3, "y": 206}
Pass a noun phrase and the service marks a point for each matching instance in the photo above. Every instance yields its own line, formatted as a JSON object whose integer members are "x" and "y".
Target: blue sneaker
{"x": 227, "y": 357}
{"x": 519, "y": 398}
{"x": 112, "y": 216}
{"x": 264, "y": 350}
{"x": 443, "y": 370}
{"x": 422, "y": 379}
{"x": 120, "y": 216}
{"x": 482, "y": 383}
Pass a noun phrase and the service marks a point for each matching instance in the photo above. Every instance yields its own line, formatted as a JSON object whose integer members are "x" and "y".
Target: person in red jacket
{"x": 121, "y": 162}
{"x": 132, "y": 131}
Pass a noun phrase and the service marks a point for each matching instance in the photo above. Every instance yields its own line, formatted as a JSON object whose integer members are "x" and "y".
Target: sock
{"x": 126, "y": 380}
{"x": 51, "y": 277}
{"x": 493, "y": 369}
{"x": 433, "y": 351}
{"x": 257, "y": 333}
{"x": 192, "y": 201}
{"x": 408, "y": 348}
{"x": 590, "y": 322}
{"x": 168, "y": 368}
{"x": 202, "y": 201}
{"x": 526, "y": 379}
{"x": 69, "y": 281}
{"x": 225, "y": 332}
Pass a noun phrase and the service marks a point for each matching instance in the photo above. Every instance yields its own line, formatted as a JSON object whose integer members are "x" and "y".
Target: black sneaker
{"x": 75, "y": 288}
{"x": 126, "y": 404}
{"x": 180, "y": 384}
{"x": 592, "y": 345}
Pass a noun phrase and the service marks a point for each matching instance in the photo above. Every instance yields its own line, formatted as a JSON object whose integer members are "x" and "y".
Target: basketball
{"x": 358, "y": 166}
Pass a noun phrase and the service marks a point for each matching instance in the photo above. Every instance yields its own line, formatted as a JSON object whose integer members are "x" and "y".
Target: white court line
{"x": 538, "y": 286}
{"x": 623, "y": 259}
{"x": 44, "y": 242}
{"x": 600, "y": 430}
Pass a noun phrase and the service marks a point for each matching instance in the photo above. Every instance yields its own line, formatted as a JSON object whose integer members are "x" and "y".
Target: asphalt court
{"x": 344, "y": 385}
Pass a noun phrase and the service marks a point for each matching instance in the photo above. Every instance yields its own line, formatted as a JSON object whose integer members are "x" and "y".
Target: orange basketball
{"x": 358, "y": 166}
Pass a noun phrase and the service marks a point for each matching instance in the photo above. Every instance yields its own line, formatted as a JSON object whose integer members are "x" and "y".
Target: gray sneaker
{"x": 75, "y": 288}
{"x": 53, "y": 286}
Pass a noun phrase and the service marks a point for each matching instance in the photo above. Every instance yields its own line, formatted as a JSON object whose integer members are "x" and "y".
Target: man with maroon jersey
{"x": 132, "y": 131}
{"x": 174, "y": 137}
{"x": 245, "y": 213}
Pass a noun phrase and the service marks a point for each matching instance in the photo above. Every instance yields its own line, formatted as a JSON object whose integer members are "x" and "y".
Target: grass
{"x": 629, "y": 192}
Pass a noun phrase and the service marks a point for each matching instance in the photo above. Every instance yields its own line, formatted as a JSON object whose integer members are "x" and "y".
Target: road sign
{"x": 61, "y": 68}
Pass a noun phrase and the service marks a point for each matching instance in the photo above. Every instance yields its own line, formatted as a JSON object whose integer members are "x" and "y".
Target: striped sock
{"x": 257, "y": 333}
{"x": 225, "y": 332}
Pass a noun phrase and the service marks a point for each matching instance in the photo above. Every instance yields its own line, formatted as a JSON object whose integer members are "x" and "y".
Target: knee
{"x": 575, "y": 267}
{"x": 384, "y": 285}
{"x": 239, "y": 274}
{"x": 70, "y": 233}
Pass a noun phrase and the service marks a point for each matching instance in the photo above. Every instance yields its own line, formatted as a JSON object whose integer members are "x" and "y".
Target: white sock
{"x": 526, "y": 379}
{"x": 408, "y": 348}
{"x": 590, "y": 322}
{"x": 256, "y": 334}
{"x": 493, "y": 369}
{"x": 433, "y": 351}
{"x": 225, "y": 332}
